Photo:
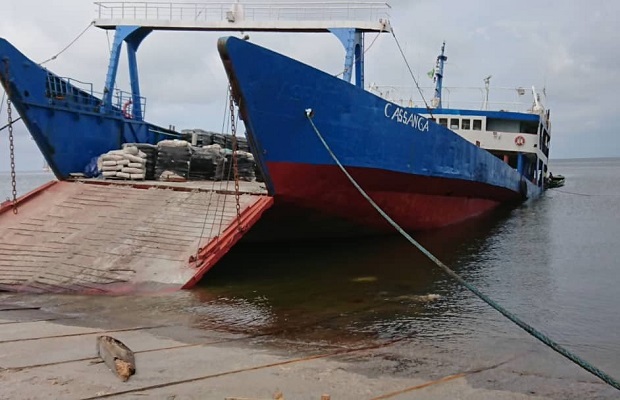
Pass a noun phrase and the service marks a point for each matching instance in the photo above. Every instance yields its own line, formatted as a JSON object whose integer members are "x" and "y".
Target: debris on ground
{"x": 118, "y": 357}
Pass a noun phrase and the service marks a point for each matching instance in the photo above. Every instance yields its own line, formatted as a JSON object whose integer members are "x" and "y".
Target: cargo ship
{"x": 425, "y": 167}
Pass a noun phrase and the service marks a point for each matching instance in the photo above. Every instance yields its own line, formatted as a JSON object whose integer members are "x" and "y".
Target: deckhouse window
{"x": 477, "y": 125}
{"x": 466, "y": 124}
{"x": 443, "y": 122}
{"x": 454, "y": 123}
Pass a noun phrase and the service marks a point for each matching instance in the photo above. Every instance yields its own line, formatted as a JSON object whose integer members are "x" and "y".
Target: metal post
{"x": 353, "y": 42}
{"x": 487, "y": 82}
{"x": 441, "y": 59}
{"x": 136, "y": 106}
{"x": 520, "y": 163}
{"x": 133, "y": 35}
{"x": 359, "y": 59}
{"x": 110, "y": 80}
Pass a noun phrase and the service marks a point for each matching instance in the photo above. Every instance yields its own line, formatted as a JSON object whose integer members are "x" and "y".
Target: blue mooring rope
{"x": 525, "y": 326}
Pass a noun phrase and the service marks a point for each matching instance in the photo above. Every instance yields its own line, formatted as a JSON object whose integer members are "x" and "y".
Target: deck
{"x": 290, "y": 16}
{"x": 95, "y": 236}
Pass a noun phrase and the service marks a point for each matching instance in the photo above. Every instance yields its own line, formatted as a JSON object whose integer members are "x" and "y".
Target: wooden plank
{"x": 117, "y": 356}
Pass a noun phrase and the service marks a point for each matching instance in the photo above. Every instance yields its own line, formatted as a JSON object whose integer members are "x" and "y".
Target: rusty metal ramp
{"x": 115, "y": 238}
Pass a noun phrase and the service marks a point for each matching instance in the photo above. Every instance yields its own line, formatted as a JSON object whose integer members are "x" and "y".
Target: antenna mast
{"x": 487, "y": 83}
{"x": 436, "y": 102}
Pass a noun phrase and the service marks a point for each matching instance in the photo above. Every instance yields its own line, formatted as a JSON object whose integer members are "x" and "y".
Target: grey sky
{"x": 568, "y": 47}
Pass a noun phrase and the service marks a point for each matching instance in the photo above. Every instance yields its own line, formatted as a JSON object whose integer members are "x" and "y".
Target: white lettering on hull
{"x": 404, "y": 117}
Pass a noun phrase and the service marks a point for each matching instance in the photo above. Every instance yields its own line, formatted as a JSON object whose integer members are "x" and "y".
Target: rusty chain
{"x": 11, "y": 141}
{"x": 233, "y": 128}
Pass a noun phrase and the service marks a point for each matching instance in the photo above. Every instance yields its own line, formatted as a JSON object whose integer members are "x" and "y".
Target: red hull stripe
{"x": 413, "y": 201}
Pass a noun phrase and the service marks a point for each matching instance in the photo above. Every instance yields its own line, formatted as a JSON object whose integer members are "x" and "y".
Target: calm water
{"x": 553, "y": 262}
{"x": 26, "y": 181}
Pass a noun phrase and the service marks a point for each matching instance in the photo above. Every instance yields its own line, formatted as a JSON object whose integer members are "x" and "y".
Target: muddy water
{"x": 553, "y": 262}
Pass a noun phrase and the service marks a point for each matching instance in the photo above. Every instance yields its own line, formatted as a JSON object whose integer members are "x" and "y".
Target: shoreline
{"x": 46, "y": 352}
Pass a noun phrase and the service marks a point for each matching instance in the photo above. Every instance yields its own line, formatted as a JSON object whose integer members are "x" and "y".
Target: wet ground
{"x": 47, "y": 344}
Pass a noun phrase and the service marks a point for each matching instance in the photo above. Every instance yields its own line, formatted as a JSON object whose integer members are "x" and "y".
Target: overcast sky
{"x": 568, "y": 47}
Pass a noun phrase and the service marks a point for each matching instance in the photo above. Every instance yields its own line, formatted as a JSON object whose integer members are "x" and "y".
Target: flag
{"x": 431, "y": 73}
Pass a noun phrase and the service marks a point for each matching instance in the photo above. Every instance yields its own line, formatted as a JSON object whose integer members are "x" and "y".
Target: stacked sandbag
{"x": 221, "y": 140}
{"x": 223, "y": 168}
{"x": 204, "y": 161}
{"x": 226, "y": 141}
{"x": 173, "y": 160}
{"x": 246, "y": 166}
{"x": 242, "y": 144}
{"x": 128, "y": 163}
{"x": 199, "y": 136}
{"x": 151, "y": 157}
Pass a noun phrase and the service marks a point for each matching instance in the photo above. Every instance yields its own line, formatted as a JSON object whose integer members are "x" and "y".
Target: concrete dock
{"x": 47, "y": 351}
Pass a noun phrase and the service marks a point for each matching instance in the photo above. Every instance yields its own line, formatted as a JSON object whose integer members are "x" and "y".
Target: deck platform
{"x": 95, "y": 236}
{"x": 290, "y": 16}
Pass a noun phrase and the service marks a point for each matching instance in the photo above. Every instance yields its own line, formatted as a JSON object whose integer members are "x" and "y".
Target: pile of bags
{"x": 177, "y": 160}
{"x": 128, "y": 163}
{"x": 245, "y": 166}
{"x": 197, "y": 137}
{"x": 204, "y": 162}
{"x": 202, "y": 138}
{"x": 151, "y": 157}
{"x": 173, "y": 159}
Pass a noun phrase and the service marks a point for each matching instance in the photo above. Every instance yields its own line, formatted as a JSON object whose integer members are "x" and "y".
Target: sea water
{"x": 552, "y": 261}
{"x": 25, "y": 182}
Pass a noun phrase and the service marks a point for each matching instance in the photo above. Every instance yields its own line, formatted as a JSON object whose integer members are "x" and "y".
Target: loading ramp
{"x": 114, "y": 237}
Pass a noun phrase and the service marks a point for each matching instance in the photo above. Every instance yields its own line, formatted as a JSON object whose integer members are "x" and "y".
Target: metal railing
{"x": 122, "y": 102}
{"x": 267, "y": 11}
{"x": 472, "y": 98}
{"x": 70, "y": 91}
{"x": 80, "y": 95}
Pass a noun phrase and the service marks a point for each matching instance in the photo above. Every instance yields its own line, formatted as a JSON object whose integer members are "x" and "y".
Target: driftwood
{"x": 118, "y": 357}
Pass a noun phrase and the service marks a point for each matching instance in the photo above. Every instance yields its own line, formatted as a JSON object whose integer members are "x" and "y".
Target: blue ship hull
{"x": 424, "y": 175}
{"x": 68, "y": 123}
